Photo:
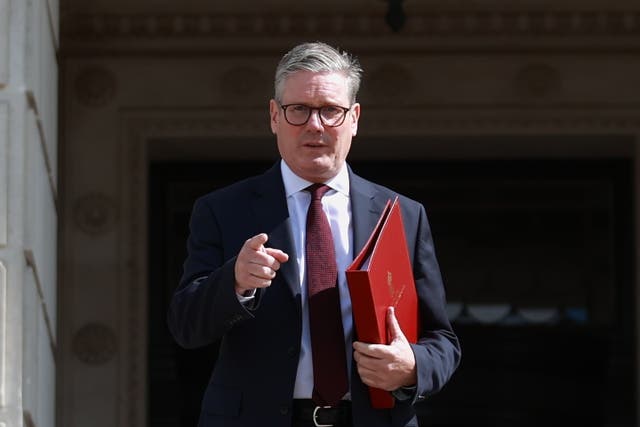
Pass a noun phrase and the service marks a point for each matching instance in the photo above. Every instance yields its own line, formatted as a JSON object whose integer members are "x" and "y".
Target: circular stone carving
{"x": 94, "y": 214}
{"x": 391, "y": 83}
{"x": 537, "y": 80}
{"x": 244, "y": 83}
{"x": 94, "y": 344}
{"x": 95, "y": 86}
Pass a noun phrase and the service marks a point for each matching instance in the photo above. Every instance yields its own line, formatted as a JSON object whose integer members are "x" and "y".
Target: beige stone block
{"x": 4, "y": 167}
{"x": 42, "y": 78}
{"x": 38, "y": 367}
{"x": 3, "y": 337}
{"x": 40, "y": 218}
{"x": 95, "y": 391}
{"x": 4, "y": 43}
{"x": 46, "y": 392}
{"x": 31, "y": 326}
{"x": 54, "y": 17}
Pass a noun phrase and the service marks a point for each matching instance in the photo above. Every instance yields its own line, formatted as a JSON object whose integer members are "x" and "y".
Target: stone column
{"x": 28, "y": 211}
{"x": 636, "y": 194}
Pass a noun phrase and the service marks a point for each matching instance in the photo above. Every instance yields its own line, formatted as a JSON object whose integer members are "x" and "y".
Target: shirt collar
{"x": 293, "y": 183}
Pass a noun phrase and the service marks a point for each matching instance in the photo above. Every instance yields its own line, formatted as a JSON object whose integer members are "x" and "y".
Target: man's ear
{"x": 355, "y": 116}
{"x": 274, "y": 114}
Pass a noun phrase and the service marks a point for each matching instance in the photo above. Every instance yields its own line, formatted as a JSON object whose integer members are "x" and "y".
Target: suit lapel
{"x": 270, "y": 209}
{"x": 366, "y": 208}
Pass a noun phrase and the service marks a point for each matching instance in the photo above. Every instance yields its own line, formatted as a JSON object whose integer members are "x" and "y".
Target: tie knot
{"x": 317, "y": 190}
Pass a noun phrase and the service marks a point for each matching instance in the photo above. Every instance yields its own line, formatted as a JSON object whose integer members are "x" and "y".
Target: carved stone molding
{"x": 134, "y": 283}
{"x": 213, "y": 124}
{"x": 255, "y": 25}
{"x": 4, "y": 43}
{"x": 537, "y": 80}
{"x": 245, "y": 83}
{"x": 243, "y": 123}
{"x": 378, "y": 88}
{"x": 3, "y": 336}
{"x": 95, "y": 86}
{"x": 94, "y": 214}
{"x": 4, "y": 172}
{"x": 431, "y": 121}
{"x": 471, "y": 23}
{"x": 94, "y": 344}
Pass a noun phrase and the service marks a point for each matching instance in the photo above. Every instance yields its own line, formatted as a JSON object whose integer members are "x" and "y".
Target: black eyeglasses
{"x": 299, "y": 114}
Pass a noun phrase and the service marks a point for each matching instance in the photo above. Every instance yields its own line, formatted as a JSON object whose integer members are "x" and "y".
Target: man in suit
{"x": 247, "y": 278}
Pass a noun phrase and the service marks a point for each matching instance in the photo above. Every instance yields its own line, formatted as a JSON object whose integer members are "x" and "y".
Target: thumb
{"x": 256, "y": 242}
{"x": 393, "y": 327}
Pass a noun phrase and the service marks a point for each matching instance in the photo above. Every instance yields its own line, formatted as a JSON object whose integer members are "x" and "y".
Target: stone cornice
{"x": 211, "y": 124}
{"x": 587, "y": 28}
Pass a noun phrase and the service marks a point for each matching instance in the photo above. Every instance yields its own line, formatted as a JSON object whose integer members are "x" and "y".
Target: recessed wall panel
{"x": 3, "y": 333}
{"x": 4, "y": 166}
{"x": 42, "y": 79}
{"x": 46, "y": 377}
{"x": 54, "y": 18}
{"x": 4, "y": 43}
{"x": 32, "y": 307}
{"x": 41, "y": 217}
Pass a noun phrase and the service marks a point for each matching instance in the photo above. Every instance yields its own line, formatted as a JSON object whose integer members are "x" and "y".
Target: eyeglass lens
{"x": 299, "y": 114}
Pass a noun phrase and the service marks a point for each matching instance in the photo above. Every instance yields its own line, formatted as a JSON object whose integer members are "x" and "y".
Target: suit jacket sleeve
{"x": 205, "y": 305}
{"x": 437, "y": 351}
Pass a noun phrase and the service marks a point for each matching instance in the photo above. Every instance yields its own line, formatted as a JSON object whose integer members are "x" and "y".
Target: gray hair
{"x": 318, "y": 57}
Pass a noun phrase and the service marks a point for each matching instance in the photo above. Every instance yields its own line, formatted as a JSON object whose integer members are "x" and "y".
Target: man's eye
{"x": 331, "y": 110}
{"x": 300, "y": 108}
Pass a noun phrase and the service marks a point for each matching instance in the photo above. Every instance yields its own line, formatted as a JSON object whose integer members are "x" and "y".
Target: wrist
{"x": 404, "y": 393}
{"x": 240, "y": 290}
{"x": 246, "y": 293}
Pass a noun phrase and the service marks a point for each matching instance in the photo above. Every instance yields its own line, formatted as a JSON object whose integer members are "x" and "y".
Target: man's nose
{"x": 314, "y": 120}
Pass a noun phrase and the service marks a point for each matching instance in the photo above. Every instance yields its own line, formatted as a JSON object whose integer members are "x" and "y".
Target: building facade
{"x": 104, "y": 104}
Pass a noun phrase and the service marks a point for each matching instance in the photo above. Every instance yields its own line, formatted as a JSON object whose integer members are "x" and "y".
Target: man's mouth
{"x": 314, "y": 144}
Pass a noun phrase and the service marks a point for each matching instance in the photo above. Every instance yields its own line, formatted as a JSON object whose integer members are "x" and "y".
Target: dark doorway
{"x": 537, "y": 256}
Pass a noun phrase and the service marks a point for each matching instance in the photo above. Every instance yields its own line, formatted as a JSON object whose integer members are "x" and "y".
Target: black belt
{"x": 306, "y": 412}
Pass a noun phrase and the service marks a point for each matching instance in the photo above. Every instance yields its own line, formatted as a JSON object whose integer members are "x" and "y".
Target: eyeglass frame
{"x": 311, "y": 110}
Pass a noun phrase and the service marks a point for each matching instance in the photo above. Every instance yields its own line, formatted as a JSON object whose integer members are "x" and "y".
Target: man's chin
{"x": 319, "y": 171}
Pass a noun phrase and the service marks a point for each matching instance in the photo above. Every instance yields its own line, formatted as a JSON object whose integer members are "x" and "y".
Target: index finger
{"x": 279, "y": 255}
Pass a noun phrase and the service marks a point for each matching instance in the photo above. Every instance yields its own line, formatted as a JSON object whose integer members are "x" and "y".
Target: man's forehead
{"x": 300, "y": 82}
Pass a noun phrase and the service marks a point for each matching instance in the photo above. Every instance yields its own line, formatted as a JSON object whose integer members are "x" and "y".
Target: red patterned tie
{"x": 327, "y": 336}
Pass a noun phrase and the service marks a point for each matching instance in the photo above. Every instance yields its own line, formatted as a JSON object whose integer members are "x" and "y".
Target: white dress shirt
{"x": 337, "y": 207}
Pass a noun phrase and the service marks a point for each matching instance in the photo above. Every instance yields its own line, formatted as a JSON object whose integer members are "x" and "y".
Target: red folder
{"x": 382, "y": 276}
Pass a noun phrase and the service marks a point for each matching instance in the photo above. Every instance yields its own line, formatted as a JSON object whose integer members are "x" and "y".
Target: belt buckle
{"x": 315, "y": 414}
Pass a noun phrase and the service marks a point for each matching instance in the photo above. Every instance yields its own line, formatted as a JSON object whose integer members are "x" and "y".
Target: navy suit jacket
{"x": 253, "y": 380}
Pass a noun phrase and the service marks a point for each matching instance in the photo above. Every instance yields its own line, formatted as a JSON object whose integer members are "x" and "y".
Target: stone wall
{"x": 28, "y": 211}
{"x": 140, "y": 85}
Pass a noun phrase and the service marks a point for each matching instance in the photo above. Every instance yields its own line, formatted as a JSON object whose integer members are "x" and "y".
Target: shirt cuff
{"x": 247, "y": 296}
{"x": 403, "y": 394}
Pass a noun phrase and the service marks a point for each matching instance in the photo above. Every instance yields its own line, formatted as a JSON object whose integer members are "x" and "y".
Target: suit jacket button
{"x": 284, "y": 409}
{"x": 291, "y": 351}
